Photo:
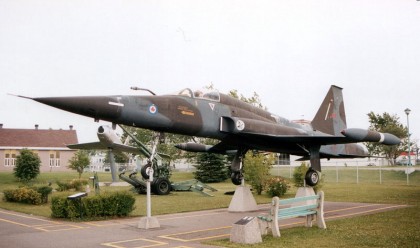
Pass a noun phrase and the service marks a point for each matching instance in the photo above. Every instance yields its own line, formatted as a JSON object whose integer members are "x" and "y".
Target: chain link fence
{"x": 359, "y": 172}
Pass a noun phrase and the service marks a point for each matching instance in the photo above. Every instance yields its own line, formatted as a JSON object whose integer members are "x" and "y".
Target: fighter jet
{"x": 238, "y": 125}
{"x": 108, "y": 139}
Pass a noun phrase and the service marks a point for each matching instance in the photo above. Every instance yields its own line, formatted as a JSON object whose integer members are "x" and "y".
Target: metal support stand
{"x": 148, "y": 222}
{"x": 113, "y": 166}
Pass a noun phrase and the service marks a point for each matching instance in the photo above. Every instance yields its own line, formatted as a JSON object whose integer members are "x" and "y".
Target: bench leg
{"x": 264, "y": 226}
{"x": 275, "y": 229}
{"x": 320, "y": 221}
{"x": 320, "y": 212}
{"x": 309, "y": 219}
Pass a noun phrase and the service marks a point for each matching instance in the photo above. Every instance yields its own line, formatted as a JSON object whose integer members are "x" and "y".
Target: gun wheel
{"x": 161, "y": 186}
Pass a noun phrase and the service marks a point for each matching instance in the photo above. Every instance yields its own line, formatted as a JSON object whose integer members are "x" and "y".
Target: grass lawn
{"x": 174, "y": 203}
{"x": 396, "y": 228}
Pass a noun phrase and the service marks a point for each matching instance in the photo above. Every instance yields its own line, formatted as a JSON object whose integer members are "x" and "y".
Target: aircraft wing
{"x": 125, "y": 148}
{"x": 100, "y": 146}
{"x": 88, "y": 146}
{"x": 247, "y": 131}
{"x": 296, "y": 139}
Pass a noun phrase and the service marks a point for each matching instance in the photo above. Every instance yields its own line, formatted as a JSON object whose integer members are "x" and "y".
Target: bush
{"x": 30, "y": 195}
{"x": 59, "y": 207}
{"x": 115, "y": 204}
{"x": 44, "y": 191}
{"x": 23, "y": 195}
{"x": 257, "y": 170}
{"x": 299, "y": 175}
{"x": 76, "y": 184}
{"x": 277, "y": 186}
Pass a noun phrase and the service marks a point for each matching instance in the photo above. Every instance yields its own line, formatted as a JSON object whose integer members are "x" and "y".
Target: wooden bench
{"x": 306, "y": 206}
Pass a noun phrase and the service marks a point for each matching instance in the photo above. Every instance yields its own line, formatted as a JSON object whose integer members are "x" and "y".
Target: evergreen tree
{"x": 211, "y": 168}
{"x": 27, "y": 165}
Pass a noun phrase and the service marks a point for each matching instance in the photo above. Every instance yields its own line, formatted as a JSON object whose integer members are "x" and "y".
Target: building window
{"x": 54, "y": 159}
{"x": 284, "y": 159}
{"x": 10, "y": 158}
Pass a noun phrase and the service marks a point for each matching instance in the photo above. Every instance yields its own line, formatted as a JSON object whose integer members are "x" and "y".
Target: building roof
{"x": 37, "y": 138}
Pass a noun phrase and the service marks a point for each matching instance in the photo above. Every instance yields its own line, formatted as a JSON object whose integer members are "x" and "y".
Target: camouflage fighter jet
{"x": 238, "y": 125}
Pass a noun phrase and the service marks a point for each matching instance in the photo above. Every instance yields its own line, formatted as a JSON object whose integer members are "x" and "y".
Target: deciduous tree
{"x": 387, "y": 123}
{"x": 79, "y": 162}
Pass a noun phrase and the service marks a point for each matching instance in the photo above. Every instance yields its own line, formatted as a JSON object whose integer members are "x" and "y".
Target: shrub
{"x": 115, "y": 204}
{"x": 299, "y": 174}
{"x": 76, "y": 184}
{"x": 257, "y": 170}
{"x": 44, "y": 191}
{"x": 277, "y": 186}
{"x": 23, "y": 195}
{"x": 59, "y": 207}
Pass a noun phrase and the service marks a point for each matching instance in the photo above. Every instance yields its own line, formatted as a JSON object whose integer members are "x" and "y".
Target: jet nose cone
{"x": 98, "y": 107}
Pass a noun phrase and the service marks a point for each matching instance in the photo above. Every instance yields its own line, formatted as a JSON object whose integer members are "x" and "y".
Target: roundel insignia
{"x": 153, "y": 109}
{"x": 240, "y": 125}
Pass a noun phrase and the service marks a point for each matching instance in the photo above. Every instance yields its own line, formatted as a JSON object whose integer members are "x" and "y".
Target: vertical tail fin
{"x": 331, "y": 117}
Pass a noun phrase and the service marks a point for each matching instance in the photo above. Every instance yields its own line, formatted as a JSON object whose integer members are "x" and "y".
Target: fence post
{"x": 336, "y": 171}
{"x": 380, "y": 174}
{"x": 357, "y": 172}
{"x": 290, "y": 171}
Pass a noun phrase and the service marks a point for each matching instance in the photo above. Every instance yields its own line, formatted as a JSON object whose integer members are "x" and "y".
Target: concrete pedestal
{"x": 242, "y": 200}
{"x": 246, "y": 231}
{"x": 305, "y": 191}
{"x": 148, "y": 223}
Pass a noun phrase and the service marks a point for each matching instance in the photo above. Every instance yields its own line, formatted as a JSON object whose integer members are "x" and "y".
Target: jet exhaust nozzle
{"x": 363, "y": 135}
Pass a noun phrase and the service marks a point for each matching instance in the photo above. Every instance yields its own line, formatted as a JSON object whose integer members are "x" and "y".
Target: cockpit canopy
{"x": 211, "y": 95}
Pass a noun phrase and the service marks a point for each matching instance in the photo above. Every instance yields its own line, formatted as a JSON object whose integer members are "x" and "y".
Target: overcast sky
{"x": 289, "y": 52}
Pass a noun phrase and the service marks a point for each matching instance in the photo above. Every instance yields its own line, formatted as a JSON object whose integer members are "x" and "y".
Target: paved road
{"x": 177, "y": 230}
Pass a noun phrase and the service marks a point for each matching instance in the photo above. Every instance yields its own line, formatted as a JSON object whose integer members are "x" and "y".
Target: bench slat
{"x": 296, "y": 214}
{"x": 298, "y": 199}
{"x": 298, "y": 208}
{"x": 297, "y": 211}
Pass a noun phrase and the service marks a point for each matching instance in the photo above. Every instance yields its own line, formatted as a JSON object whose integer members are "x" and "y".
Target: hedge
{"x": 29, "y": 195}
{"x": 115, "y": 204}
{"x": 77, "y": 184}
